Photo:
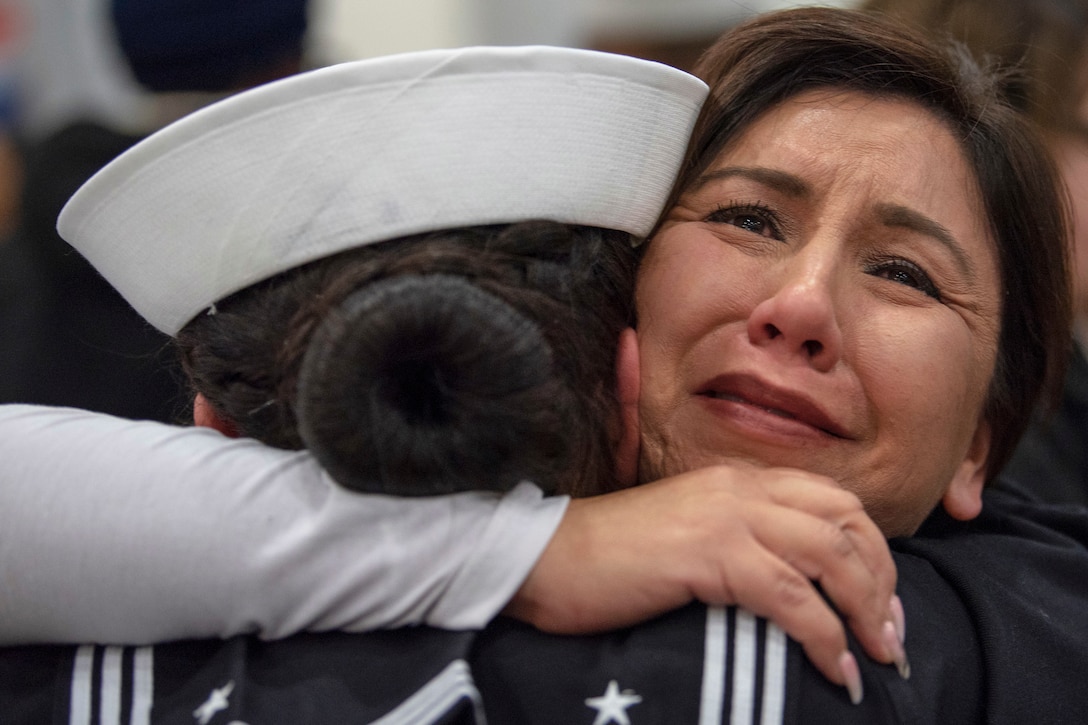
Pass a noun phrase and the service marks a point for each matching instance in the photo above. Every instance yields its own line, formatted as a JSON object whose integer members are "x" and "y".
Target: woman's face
{"x": 827, "y": 297}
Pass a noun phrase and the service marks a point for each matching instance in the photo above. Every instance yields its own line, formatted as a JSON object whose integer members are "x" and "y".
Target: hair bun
{"x": 423, "y": 385}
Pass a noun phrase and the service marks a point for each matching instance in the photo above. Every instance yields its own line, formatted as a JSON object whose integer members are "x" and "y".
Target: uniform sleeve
{"x": 132, "y": 532}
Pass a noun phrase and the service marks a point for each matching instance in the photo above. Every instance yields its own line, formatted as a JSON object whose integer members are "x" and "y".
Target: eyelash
{"x": 728, "y": 213}
{"x": 896, "y": 266}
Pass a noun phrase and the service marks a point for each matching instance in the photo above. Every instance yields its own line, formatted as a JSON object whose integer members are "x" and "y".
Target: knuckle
{"x": 793, "y": 590}
{"x": 836, "y": 542}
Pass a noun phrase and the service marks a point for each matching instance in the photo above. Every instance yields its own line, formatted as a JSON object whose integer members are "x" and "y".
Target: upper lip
{"x": 754, "y": 391}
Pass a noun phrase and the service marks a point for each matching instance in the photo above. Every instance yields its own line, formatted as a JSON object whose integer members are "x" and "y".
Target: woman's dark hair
{"x": 463, "y": 359}
{"x": 776, "y": 56}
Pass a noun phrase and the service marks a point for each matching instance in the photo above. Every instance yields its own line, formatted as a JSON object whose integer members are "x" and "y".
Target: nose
{"x": 798, "y": 318}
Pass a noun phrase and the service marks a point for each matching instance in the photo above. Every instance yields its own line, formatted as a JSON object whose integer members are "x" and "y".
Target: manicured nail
{"x": 895, "y": 650}
{"x": 899, "y": 618}
{"x": 848, "y": 666}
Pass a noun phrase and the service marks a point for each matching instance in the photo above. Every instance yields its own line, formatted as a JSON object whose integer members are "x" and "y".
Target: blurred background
{"x": 375, "y": 27}
{"x": 59, "y": 58}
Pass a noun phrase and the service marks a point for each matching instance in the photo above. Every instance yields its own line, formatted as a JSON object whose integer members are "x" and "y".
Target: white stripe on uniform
{"x": 79, "y": 700}
{"x": 143, "y": 684}
{"x": 715, "y": 646}
{"x": 745, "y": 646}
{"x": 774, "y": 676}
{"x": 744, "y": 669}
{"x": 109, "y": 709}
{"x": 112, "y": 686}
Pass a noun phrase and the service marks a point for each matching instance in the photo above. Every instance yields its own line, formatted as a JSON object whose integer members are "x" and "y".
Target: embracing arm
{"x": 122, "y": 531}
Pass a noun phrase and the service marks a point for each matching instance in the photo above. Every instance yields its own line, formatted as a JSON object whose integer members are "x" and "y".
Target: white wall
{"x": 349, "y": 29}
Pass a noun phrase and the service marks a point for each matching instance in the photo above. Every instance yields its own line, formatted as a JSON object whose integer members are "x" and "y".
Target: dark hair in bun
{"x": 467, "y": 359}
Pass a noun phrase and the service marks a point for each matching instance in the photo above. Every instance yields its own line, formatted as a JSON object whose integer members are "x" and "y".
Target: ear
{"x": 627, "y": 389}
{"x": 206, "y": 416}
{"x": 963, "y": 498}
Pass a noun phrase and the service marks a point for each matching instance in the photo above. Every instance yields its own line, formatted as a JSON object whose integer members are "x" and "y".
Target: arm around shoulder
{"x": 131, "y": 532}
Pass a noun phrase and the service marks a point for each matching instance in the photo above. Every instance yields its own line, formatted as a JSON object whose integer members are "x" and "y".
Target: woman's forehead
{"x": 828, "y": 99}
{"x": 825, "y": 128}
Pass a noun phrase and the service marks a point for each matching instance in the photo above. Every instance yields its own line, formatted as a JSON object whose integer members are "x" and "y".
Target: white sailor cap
{"x": 366, "y": 151}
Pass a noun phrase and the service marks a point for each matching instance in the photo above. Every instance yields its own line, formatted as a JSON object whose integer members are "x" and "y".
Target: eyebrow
{"x": 778, "y": 180}
{"x": 897, "y": 215}
{"x": 890, "y": 215}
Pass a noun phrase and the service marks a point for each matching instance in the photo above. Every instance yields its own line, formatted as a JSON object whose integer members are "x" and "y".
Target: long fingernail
{"x": 848, "y": 666}
{"x": 895, "y": 650}
{"x": 899, "y": 618}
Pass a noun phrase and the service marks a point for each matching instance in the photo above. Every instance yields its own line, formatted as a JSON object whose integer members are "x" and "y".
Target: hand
{"x": 728, "y": 534}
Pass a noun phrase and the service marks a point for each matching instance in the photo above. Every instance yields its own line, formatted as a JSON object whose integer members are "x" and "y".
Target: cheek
{"x": 922, "y": 377}
{"x": 686, "y": 293}
{"x": 925, "y": 391}
{"x": 688, "y": 287}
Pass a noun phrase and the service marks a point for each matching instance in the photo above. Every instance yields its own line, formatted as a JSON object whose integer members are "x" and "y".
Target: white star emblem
{"x": 216, "y": 701}
{"x": 612, "y": 705}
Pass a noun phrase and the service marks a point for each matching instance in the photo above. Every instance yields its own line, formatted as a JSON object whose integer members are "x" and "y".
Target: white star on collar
{"x": 612, "y": 705}
{"x": 216, "y": 701}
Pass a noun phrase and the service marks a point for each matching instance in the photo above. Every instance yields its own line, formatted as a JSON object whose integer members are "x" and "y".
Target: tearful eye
{"x": 906, "y": 273}
{"x": 750, "y": 223}
{"x": 902, "y": 277}
{"x": 753, "y": 218}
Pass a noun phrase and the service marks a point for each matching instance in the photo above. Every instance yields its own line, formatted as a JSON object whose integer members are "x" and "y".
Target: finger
{"x": 761, "y": 582}
{"x": 823, "y": 551}
{"x": 867, "y": 609}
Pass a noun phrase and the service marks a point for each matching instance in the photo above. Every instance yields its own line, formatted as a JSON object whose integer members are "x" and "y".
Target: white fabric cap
{"x": 372, "y": 150}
